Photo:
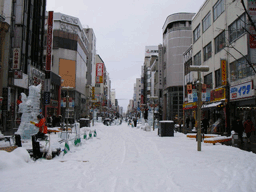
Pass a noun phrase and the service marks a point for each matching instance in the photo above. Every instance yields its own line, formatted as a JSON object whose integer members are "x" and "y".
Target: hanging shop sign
{"x": 18, "y": 74}
{"x": 16, "y": 58}
{"x": 240, "y": 91}
{"x": 49, "y": 42}
{"x": 218, "y": 94}
{"x": 99, "y": 72}
{"x": 223, "y": 65}
{"x": 187, "y": 106}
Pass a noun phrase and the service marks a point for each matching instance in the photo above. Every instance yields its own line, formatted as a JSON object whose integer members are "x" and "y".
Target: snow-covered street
{"x": 125, "y": 159}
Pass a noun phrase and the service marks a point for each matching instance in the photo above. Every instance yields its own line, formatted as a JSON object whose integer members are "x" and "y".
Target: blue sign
{"x": 241, "y": 91}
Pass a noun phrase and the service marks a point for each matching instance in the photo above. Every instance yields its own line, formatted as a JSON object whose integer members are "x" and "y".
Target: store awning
{"x": 211, "y": 105}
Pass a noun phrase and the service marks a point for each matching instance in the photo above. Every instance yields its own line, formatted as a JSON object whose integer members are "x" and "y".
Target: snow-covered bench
{"x": 193, "y": 135}
{"x": 219, "y": 139}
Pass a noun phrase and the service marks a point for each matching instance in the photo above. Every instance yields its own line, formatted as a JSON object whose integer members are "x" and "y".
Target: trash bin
{"x": 166, "y": 128}
{"x": 84, "y": 122}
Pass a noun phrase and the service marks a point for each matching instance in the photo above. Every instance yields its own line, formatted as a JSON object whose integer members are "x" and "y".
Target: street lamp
{"x": 199, "y": 69}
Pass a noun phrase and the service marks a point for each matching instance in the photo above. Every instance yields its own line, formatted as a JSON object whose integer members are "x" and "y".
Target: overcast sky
{"x": 123, "y": 29}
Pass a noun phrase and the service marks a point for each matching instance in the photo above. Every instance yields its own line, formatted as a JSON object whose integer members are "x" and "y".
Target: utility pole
{"x": 199, "y": 69}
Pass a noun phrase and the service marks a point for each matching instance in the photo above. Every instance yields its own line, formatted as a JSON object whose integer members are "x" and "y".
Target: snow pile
{"x": 13, "y": 160}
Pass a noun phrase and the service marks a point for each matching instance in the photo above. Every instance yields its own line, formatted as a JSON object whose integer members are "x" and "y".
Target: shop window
{"x": 196, "y": 33}
{"x": 206, "y": 22}
{"x": 218, "y": 9}
{"x": 240, "y": 69}
{"x": 197, "y": 58}
{"x": 236, "y": 29}
{"x": 217, "y": 78}
{"x": 208, "y": 51}
{"x": 208, "y": 80}
{"x": 219, "y": 42}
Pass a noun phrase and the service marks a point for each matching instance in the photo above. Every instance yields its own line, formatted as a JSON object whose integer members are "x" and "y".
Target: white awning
{"x": 211, "y": 105}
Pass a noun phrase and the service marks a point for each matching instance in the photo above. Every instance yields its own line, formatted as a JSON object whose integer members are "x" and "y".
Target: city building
{"x": 22, "y": 64}
{"x": 222, "y": 41}
{"x": 70, "y": 57}
{"x": 177, "y": 37}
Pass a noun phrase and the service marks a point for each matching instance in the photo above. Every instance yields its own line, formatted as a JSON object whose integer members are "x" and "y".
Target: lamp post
{"x": 199, "y": 69}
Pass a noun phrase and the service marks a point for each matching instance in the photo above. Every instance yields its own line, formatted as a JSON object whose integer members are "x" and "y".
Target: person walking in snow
{"x": 249, "y": 128}
{"x": 238, "y": 127}
{"x": 41, "y": 125}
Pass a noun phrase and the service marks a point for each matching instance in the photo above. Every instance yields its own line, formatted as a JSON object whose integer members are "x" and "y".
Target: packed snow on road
{"x": 125, "y": 159}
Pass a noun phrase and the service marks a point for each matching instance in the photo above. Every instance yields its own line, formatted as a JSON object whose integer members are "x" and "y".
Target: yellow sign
{"x": 223, "y": 72}
{"x": 93, "y": 93}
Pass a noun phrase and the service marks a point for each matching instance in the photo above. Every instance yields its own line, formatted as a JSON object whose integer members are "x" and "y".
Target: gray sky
{"x": 123, "y": 29}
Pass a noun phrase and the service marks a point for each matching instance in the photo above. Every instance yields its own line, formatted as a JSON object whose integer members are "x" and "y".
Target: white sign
{"x": 241, "y": 91}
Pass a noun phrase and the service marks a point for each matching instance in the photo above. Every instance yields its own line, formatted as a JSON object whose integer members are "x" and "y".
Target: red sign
{"x": 189, "y": 88}
{"x": 99, "y": 72}
{"x": 49, "y": 42}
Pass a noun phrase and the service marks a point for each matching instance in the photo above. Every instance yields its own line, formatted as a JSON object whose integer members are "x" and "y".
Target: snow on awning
{"x": 211, "y": 105}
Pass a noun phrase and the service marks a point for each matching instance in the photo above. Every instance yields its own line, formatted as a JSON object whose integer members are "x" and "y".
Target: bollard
{"x": 18, "y": 140}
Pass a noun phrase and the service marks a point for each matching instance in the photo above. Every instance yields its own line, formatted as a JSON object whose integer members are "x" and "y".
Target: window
{"x": 208, "y": 80}
{"x": 240, "y": 69}
{"x": 207, "y": 21}
{"x": 218, "y": 8}
{"x": 219, "y": 42}
{"x": 217, "y": 78}
{"x": 196, "y": 33}
{"x": 236, "y": 29}
{"x": 197, "y": 58}
{"x": 208, "y": 51}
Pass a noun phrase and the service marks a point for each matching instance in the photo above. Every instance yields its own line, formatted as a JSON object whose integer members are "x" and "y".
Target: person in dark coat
{"x": 205, "y": 123}
{"x": 187, "y": 122}
{"x": 135, "y": 121}
{"x": 249, "y": 128}
{"x": 238, "y": 127}
{"x": 193, "y": 122}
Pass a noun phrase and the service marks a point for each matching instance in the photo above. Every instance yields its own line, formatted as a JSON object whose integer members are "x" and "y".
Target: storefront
{"x": 189, "y": 111}
{"x": 243, "y": 101}
{"x": 215, "y": 111}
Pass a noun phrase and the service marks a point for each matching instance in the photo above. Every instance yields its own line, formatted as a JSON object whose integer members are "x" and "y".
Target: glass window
{"x": 219, "y": 42}
{"x": 240, "y": 69}
{"x": 218, "y": 8}
{"x": 236, "y": 29}
{"x": 196, "y": 33}
{"x": 208, "y": 51}
{"x": 208, "y": 80}
{"x": 217, "y": 78}
{"x": 197, "y": 58}
{"x": 207, "y": 21}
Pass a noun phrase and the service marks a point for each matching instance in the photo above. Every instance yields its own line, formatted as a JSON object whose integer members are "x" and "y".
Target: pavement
{"x": 250, "y": 147}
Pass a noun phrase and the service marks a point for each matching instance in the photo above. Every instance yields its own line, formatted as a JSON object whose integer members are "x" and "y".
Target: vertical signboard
{"x": 223, "y": 65}
{"x": 252, "y": 40}
{"x": 99, "y": 72}
{"x": 49, "y": 42}
{"x": 93, "y": 93}
{"x": 190, "y": 95}
{"x": 16, "y": 58}
{"x": 203, "y": 92}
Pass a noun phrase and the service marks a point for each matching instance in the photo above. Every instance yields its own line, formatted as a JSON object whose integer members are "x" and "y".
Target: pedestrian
{"x": 249, "y": 128}
{"x": 135, "y": 121}
{"x": 187, "y": 122}
{"x": 41, "y": 125}
{"x": 19, "y": 101}
{"x": 193, "y": 122}
{"x": 180, "y": 122}
{"x": 205, "y": 123}
{"x": 238, "y": 127}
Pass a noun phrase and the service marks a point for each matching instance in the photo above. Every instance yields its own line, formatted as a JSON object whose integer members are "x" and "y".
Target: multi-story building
{"x": 113, "y": 98}
{"x": 222, "y": 41}
{"x": 90, "y": 75}
{"x": 22, "y": 63}
{"x": 70, "y": 56}
{"x": 151, "y": 54}
{"x": 137, "y": 92}
{"x": 177, "y": 37}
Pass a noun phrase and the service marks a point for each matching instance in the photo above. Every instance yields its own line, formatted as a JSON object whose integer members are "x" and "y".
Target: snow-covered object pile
{"x": 30, "y": 108}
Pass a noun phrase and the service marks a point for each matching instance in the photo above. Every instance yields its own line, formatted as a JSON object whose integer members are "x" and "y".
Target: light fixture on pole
{"x": 199, "y": 69}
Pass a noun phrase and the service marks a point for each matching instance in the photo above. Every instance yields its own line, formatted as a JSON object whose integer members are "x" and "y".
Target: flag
{"x": 66, "y": 148}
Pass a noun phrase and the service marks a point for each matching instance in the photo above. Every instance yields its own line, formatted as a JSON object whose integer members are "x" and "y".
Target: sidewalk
{"x": 251, "y": 147}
